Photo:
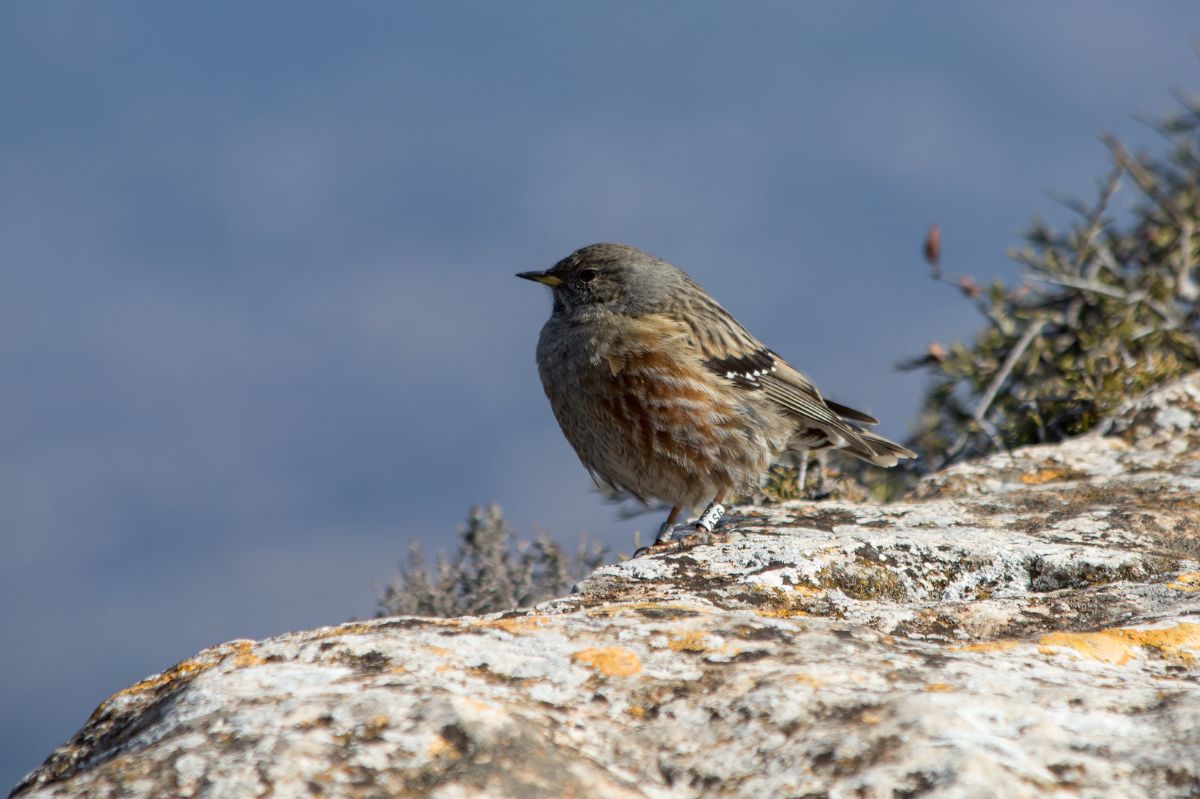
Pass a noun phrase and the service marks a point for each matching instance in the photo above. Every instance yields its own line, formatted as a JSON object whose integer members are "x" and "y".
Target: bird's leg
{"x": 712, "y": 515}
{"x": 802, "y": 474}
{"x": 820, "y": 489}
{"x": 664, "y": 532}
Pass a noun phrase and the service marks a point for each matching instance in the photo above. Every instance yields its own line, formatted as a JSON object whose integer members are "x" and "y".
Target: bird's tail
{"x": 876, "y": 449}
{"x": 849, "y": 438}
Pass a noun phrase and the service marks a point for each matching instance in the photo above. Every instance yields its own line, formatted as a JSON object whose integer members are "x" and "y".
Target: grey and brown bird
{"x": 665, "y": 396}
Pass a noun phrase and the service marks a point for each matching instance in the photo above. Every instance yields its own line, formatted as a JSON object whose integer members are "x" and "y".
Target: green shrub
{"x": 1106, "y": 310}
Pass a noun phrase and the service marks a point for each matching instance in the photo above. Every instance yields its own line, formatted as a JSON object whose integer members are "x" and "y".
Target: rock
{"x": 1026, "y": 625}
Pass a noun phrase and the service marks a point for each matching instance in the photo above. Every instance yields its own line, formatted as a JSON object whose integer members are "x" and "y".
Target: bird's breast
{"x": 645, "y": 413}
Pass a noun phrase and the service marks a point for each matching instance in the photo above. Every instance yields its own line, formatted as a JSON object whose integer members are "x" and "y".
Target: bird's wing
{"x": 730, "y": 351}
{"x": 849, "y": 413}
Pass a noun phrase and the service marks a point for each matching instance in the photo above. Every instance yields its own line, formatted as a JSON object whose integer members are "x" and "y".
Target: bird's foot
{"x": 697, "y": 532}
{"x": 665, "y": 541}
{"x": 657, "y": 548}
{"x": 702, "y": 529}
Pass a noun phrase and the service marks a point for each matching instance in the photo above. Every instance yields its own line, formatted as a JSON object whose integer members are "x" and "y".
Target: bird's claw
{"x": 665, "y": 541}
{"x": 699, "y": 536}
{"x": 693, "y": 535}
{"x": 697, "y": 532}
{"x": 657, "y": 547}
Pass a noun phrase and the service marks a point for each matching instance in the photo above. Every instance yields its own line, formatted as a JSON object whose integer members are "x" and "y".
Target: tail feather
{"x": 876, "y": 449}
{"x": 860, "y": 443}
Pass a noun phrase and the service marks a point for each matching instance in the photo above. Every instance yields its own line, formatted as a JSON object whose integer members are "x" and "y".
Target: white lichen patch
{"x": 1030, "y": 629}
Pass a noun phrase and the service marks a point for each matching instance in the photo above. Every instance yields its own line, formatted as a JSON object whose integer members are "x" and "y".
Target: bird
{"x": 664, "y": 395}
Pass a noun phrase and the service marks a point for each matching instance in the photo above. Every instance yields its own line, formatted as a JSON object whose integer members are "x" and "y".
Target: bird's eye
{"x": 587, "y": 275}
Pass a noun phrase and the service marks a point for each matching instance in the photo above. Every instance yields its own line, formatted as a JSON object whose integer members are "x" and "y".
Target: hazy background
{"x": 258, "y": 325}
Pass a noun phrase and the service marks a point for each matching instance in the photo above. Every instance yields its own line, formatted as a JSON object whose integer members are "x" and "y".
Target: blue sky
{"x": 258, "y": 325}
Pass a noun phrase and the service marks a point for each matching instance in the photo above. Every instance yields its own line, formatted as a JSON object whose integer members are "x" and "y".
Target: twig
{"x": 1069, "y": 282}
{"x": 985, "y": 402}
{"x": 1186, "y": 287}
{"x": 1095, "y": 218}
{"x": 981, "y": 305}
{"x": 1143, "y": 178}
{"x": 1097, "y": 288}
{"x": 989, "y": 396}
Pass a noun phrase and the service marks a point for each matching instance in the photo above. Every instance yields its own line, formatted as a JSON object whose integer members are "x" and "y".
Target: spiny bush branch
{"x": 1106, "y": 310}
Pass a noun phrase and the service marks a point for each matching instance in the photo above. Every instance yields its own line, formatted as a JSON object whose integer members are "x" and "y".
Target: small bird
{"x": 664, "y": 395}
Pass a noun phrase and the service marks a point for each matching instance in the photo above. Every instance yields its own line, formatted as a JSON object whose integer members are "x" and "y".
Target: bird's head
{"x": 610, "y": 277}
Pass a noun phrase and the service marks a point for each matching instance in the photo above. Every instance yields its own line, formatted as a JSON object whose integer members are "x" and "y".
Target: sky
{"x": 258, "y": 321}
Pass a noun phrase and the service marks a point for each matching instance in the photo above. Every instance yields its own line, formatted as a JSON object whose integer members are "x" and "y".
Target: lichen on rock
{"x": 1023, "y": 625}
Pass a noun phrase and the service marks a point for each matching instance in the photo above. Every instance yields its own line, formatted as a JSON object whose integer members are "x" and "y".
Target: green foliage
{"x": 491, "y": 571}
{"x": 1107, "y": 310}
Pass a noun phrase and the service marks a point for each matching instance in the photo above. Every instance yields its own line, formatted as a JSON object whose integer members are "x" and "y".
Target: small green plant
{"x": 491, "y": 571}
{"x": 1107, "y": 310}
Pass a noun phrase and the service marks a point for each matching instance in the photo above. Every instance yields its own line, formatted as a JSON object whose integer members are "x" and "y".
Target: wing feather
{"x": 730, "y": 351}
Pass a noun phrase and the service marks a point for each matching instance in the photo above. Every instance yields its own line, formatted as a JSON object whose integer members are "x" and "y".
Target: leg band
{"x": 711, "y": 516}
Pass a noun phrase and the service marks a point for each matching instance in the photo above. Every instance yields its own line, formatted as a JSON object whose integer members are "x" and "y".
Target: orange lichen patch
{"x": 613, "y": 661}
{"x": 807, "y": 679}
{"x": 1186, "y": 582}
{"x": 244, "y": 656}
{"x": 187, "y": 668}
{"x": 350, "y": 628}
{"x": 1041, "y": 476}
{"x": 244, "y": 659}
{"x": 779, "y": 606}
{"x": 440, "y": 747}
{"x": 939, "y": 687}
{"x": 781, "y": 613}
{"x": 637, "y": 711}
{"x": 693, "y": 641}
{"x": 374, "y": 726}
{"x": 516, "y": 626}
{"x": 1002, "y": 645}
{"x": 1118, "y": 645}
{"x": 237, "y": 654}
{"x": 807, "y": 590}
{"x": 180, "y": 671}
{"x": 868, "y": 717}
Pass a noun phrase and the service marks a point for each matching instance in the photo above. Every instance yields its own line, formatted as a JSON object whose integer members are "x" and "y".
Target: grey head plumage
{"x": 612, "y": 278}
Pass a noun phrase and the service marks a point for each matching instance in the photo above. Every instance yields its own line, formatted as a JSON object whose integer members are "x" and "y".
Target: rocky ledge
{"x": 1026, "y": 625}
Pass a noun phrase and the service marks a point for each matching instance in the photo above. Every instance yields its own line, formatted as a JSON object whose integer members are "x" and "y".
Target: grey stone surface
{"x": 1026, "y": 625}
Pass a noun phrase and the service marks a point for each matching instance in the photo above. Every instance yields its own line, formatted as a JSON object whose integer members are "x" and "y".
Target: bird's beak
{"x": 542, "y": 277}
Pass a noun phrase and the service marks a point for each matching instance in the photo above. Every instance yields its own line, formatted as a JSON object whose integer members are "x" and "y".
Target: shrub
{"x": 1107, "y": 310}
{"x": 491, "y": 571}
